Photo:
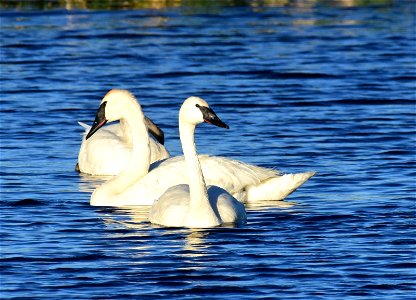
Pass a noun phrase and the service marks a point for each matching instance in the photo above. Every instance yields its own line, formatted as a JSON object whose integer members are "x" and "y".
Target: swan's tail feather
{"x": 277, "y": 188}
{"x": 85, "y": 126}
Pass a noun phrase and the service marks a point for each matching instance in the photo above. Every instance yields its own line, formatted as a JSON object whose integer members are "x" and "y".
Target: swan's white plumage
{"x": 234, "y": 176}
{"x": 136, "y": 185}
{"x": 109, "y": 149}
{"x": 174, "y": 213}
{"x": 193, "y": 204}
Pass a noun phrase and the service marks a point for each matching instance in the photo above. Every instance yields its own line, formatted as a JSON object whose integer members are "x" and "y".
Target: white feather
{"x": 109, "y": 149}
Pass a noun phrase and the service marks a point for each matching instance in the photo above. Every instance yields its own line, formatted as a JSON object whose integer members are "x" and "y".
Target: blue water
{"x": 324, "y": 88}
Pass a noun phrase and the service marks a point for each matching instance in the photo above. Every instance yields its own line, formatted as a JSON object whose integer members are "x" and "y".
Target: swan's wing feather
{"x": 172, "y": 206}
{"x": 157, "y": 151}
{"x": 107, "y": 160}
{"x": 229, "y": 208}
{"x": 107, "y": 152}
{"x": 109, "y": 129}
{"x": 231, "y": 175}
{"x": 85, "y": 126}
{"x": 103, "y": 154}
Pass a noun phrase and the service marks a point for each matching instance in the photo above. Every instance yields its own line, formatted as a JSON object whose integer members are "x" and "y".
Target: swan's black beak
{"x": 211, "y": 117}
{"x": 99, "y": 121}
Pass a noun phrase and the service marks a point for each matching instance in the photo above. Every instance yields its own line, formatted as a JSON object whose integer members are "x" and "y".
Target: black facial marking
{"x": 101, "y": 111}
{"x": 210, "y": 116}
{"x": 99, "y": 121}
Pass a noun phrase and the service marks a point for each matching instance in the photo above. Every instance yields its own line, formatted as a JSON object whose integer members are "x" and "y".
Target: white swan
{"x": 136, "y": 185}
{"x": 196, "y": 205}
{"x": 109, "y": 150}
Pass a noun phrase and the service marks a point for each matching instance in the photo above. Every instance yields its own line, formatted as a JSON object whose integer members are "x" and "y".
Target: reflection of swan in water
{"x": 88, "y": 183}
{"x": 195, "y": 242}
{"x": 132, "y": 224}
{"x": 139, "y": 216}
{"x": 129, "y": 224}
{"x": 269, "y": 204}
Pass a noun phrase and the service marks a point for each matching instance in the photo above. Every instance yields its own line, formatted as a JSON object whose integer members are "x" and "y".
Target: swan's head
{"x": 114, "y": 106}
{"x": 195, "y": 110}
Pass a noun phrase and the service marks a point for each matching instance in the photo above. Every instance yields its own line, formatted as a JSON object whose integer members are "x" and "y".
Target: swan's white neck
{"x": 138, "y": 165}
{"x": 126, "y": 132}
{"x": 199, "y": 206}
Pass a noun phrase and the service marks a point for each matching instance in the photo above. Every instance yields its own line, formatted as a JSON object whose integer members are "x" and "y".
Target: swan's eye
{"x": 197, "y": 105}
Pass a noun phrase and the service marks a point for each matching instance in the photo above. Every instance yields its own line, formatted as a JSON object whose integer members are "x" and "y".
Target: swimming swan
{"x": 195, "y": 205}
{"x": 139, "y": 184}
{"x": 108, "y": 151}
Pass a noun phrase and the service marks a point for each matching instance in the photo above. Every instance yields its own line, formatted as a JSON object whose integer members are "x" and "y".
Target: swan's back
{"x": 108, "y": 151}
{"x": 105, "y": 153}
{"x": 226, "y": 173}
{"x": 172, "y": 206}
{"x": 233, "y": 175}
{"x": 229, "y": 209}
{"x": 229, "y": 174}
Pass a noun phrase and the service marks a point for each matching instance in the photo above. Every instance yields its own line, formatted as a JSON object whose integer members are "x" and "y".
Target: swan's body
{"x": 136, "y": 185}
{"x": 244, "y": 181}
{"x": 108, "y": 150}
{"x": 173, "y": 209}
{"x": 193, "y": 204}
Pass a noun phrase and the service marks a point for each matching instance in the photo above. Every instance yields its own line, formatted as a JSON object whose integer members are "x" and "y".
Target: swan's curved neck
{"x": 199, "y": 201}
{"x": 126, "y": 132}
{"x": 138, "y": 165}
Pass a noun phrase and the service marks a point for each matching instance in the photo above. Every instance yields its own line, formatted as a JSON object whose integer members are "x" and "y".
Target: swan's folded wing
{"x": 229, "y": 174}
{"x": 233, "y": 175}
{"x": 85, "y": 126}
{"x": 103, "y": 153}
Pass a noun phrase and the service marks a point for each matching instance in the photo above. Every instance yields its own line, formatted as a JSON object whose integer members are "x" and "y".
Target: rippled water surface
{"x": 330, "y": 89}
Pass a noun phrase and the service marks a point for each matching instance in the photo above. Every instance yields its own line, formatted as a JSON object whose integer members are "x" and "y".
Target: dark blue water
{"x": 330, "y": 89}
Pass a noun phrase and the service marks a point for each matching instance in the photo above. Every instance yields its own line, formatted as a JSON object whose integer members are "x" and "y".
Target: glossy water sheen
{"x": 329, "y": 89}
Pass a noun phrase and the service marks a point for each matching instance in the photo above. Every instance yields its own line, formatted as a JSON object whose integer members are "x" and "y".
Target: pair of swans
{"x": 142, "y": 183}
